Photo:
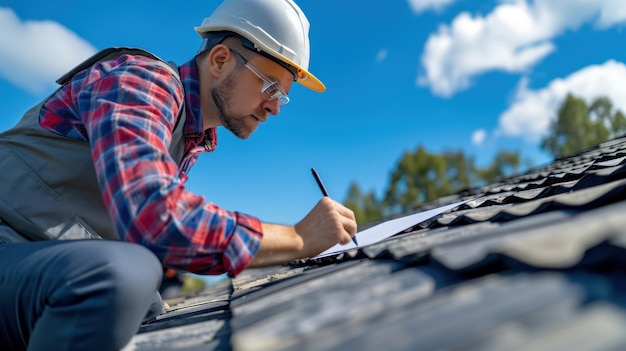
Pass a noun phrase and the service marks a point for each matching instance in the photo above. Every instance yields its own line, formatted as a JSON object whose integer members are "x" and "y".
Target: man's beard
{"x": 222, "y": 97}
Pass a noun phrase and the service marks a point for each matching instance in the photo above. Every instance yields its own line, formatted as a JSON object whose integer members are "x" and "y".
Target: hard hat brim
{"x": 306, "y": 78}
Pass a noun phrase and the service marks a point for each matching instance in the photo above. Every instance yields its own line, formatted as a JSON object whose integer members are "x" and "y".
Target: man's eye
{"x": 272, "y": 88}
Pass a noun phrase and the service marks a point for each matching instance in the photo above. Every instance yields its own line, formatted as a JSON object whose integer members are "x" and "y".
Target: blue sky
{"x": 472, "y": 75}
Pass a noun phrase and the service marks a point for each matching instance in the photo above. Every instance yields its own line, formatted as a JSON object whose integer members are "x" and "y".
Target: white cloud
{"x": 33, "y": 54}
{"x": 514, "y": 37}
{"x": 381, "y": 56}
{"x": 420, "y": 6}
{"x": 531, "y": 111}
{"x": 478, "y": 137}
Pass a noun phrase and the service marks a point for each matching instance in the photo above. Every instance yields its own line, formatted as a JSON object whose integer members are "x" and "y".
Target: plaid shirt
{"x": 126, "y": 109}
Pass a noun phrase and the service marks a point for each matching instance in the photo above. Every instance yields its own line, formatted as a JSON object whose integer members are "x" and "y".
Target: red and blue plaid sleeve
{"x": 126, "y": 109}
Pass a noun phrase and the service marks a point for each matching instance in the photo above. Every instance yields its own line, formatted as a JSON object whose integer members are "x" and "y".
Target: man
{"x": 106, "y": 157}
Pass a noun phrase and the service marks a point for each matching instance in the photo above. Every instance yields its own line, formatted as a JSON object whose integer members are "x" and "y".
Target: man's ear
{"x": 217, "y": 60}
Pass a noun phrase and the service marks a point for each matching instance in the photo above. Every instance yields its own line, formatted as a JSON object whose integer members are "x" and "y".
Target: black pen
{"x": 325, "y": 193}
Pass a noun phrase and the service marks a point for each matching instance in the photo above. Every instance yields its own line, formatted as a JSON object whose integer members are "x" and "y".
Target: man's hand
{"x": 328, "y": 223}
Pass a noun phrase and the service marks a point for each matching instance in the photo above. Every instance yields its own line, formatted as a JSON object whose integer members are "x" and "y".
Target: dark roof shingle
{"x": 533, "y": 262}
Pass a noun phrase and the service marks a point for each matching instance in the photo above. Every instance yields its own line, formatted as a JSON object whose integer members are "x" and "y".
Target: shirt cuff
{"x": 244, "y": 244}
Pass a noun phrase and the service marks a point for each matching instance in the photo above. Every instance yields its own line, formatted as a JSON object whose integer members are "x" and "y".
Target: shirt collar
{"x": 193, "y": 127}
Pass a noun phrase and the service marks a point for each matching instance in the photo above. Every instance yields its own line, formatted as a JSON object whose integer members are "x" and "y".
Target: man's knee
{"x": 79, "y": 286}
{"x": 125, "y": 271}
{"x": 126, "y": 264}
{"x": 131, "y": 262}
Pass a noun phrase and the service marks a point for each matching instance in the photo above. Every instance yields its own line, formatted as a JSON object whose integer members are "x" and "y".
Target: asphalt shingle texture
{"x": 533, "y": 262}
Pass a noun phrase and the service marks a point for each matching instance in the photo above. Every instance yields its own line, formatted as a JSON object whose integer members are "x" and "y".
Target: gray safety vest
{"x": 48, "y": 185}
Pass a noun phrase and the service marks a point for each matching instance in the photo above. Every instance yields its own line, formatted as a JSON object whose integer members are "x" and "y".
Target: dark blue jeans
{"x": 75, "y": 294}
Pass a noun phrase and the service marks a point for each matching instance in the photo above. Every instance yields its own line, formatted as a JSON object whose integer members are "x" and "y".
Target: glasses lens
{"x": 283, "y": 100}
{"x": 274, "y": 91}
{"x": 271, "y": 88}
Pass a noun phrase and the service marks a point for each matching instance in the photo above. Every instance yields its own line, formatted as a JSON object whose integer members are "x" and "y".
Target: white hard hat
{"x": 276, "y": 27}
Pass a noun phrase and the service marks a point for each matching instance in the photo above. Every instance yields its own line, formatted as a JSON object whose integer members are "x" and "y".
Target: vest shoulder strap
{"x": 176, "y": 149}
{"x": 106, "y": 54}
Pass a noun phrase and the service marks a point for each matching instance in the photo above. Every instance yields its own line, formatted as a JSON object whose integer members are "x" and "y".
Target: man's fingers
{"x": 348, "y": 222}
{"x": 350, "y": 227}
{"x": 344, "y": 218}
{"x": 344, "y": 211}
{"x": 345, "y": 239}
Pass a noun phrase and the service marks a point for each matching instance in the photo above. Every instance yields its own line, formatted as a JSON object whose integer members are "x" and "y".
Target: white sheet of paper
{"x": 389, "y": 228}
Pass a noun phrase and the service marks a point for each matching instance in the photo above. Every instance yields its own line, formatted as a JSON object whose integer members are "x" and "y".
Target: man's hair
{"x": 211, "y": 39}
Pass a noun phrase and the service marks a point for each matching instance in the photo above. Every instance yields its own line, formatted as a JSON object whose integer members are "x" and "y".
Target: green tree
{"x": 423, "y": 176}
{"x": 505, "y": 164}
{"x": 602, "y": 109}
{"x": 578, "y": 126}
{"x": 366, "y": 207}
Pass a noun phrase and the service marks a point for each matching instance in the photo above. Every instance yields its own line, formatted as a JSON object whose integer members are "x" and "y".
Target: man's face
{"x": 240, "y": 103}
{"x": 223, "y": 94}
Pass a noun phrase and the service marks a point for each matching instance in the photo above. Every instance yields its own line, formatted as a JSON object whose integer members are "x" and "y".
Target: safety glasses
{"x": 270, "y": 87}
